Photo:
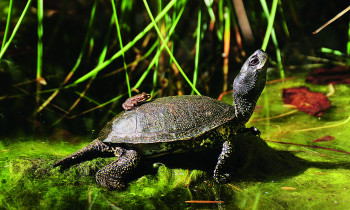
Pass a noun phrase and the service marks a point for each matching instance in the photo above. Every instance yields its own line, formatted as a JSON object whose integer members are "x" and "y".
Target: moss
{"x": 317, "y": 178}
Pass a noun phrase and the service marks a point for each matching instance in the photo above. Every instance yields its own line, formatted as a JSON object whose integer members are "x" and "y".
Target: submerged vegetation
{"x": 67, "y": 66}
{"x": 302, "y": 173}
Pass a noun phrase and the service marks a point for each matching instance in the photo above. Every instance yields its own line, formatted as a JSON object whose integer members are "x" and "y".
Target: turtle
{"x": 175, "y": 124}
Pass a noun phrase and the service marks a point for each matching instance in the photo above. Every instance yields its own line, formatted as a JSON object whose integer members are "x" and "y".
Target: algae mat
{"x": 293, "y": 172}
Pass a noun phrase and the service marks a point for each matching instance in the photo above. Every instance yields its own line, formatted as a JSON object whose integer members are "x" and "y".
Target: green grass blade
{"x": 83, "y": 94}
{"x": 148, "y": 53}
{"x": 156, "y": 57}
{"x": 284, "y": 23}
{"x": 274, "y": 40}
{"x": 3, "y": 50}
{"x": 121, "y": 45}
{"x": 103, "y": 54}
{"x": 209, "y": 4}
{"x": 155, "y": 72}
{"x": 198, "y": 42}
{"x": 126, "y": 47}
{"x": 85, "y": 42}
{"x": 39, "y": 62}
{"x": 69, "y": 76}
{"x": 40, "y": 39}
{"x": 167, "y": 48}
{"x": 270, "y": 23}
{"x": 7, "y": 25}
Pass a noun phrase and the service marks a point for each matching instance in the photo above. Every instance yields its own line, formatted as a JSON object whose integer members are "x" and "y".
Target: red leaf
{"x": 312, "y": 103}
{"x": 335, "y": 75}
{"x": 325, "y": 138}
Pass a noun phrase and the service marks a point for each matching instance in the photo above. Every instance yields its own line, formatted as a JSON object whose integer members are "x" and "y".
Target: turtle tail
{"x": 95, "y": 149}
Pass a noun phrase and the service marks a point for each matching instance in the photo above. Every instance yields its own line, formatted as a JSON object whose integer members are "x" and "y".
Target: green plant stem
{"x": 39, "y": 48}
{"x": 156, "y": 69}
{"x": 83, "y": 94}
{"x": 284, "y": 23}
{"x": 209, "y": 4}
{"x": 69, "y": 76}
{"x": 270, "y": 23}
{"x": 40, "y": 39}
{"x": 7, "y": 25}
{"x": 274, "y": 40}
{"x": 126, "y": 47}
{"x": 85, "y": 43}
{"x": 156, "y": 57}
{"x": 167, "y": 48}
{"x": 121, "y": 45}
{"x": 3, "y": 50}
{"x": 132, "y": 63}
{"x": 196, "y": 61}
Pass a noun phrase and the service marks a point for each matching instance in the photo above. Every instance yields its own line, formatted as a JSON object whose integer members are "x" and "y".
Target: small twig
{"x": 224, "y": 93}
{"x": 28, "y": 93}
{"x": 234, "y": 187}
{"x": 201, "y": 201}
{"x": 76, "y": 102}
{"x": 333, "y": 19}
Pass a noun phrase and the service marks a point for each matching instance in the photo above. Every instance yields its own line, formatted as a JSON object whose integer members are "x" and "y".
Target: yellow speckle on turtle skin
{"x": 221, "y": 130}
{"x": 113, "y": 175}
{"x": 219, "y": 173}
{"x": 206, "y": 142}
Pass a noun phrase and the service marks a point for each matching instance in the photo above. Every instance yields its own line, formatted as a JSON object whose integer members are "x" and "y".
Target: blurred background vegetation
{"x": 67, "y": 66}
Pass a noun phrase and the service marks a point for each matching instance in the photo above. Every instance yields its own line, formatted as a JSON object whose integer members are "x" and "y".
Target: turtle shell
{"x": 168, "y": 119}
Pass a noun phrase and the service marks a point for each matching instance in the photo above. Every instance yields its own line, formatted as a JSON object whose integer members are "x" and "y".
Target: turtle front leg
{"x": 220, "y": 172}
{"x": 113, "y": 175}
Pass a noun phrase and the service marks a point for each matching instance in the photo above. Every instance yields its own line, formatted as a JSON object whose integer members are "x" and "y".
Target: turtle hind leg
{"x": 95, "y": 149}
{"x": 113, "y": 176}
{"x": 221, "y": 172}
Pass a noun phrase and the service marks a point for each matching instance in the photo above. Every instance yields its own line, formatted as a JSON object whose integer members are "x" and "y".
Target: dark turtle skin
{"x": 176, "y": 124}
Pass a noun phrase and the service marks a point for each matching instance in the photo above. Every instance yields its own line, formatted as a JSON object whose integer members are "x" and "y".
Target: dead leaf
{"x": 335, "y": 75}
{"x": 325, "y": 138}
{"x": 312, "y": 103}
{"x": 41, "y": 80}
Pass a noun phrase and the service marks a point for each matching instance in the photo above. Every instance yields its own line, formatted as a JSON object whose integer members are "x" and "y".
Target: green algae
{"x": 267, "y": 175}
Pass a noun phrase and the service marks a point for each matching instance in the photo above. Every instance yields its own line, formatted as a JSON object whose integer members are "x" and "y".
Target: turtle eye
{"x": 254, "y": 61}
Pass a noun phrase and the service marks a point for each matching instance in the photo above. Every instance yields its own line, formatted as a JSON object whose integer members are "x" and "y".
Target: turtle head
{"x": 249, "y": 83}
